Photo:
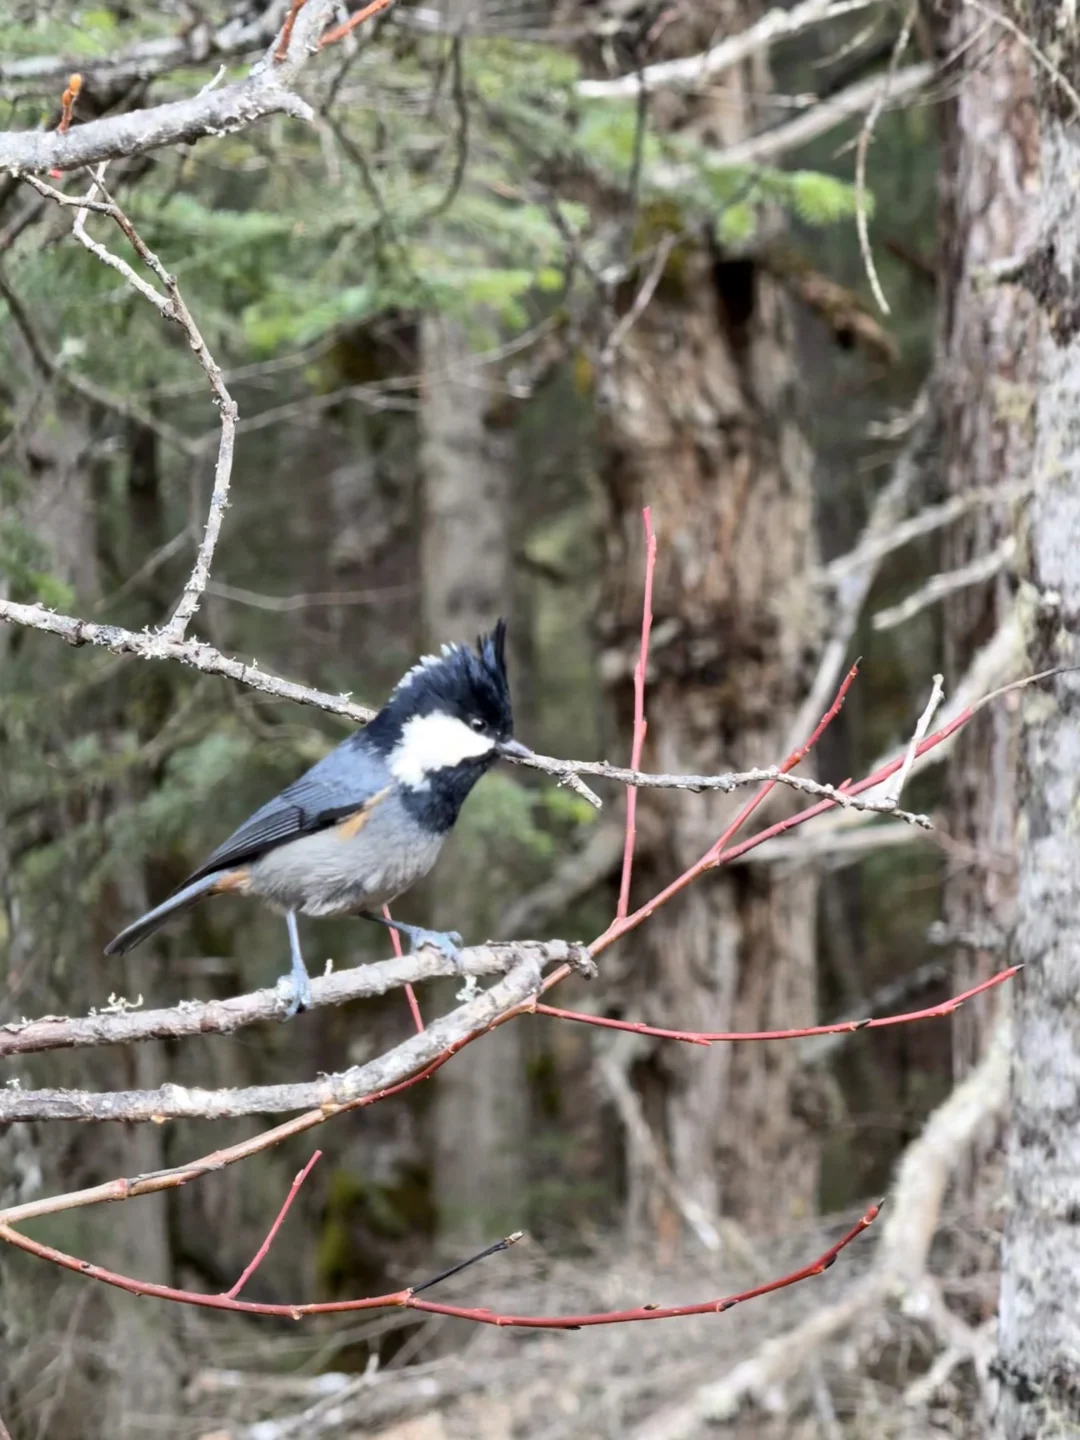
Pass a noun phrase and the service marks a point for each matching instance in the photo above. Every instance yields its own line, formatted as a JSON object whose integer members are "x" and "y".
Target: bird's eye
{"x": 477, "y": 724}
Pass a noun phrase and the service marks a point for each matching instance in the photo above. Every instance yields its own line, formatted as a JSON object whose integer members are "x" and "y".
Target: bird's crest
{"x": 459, "y": 681}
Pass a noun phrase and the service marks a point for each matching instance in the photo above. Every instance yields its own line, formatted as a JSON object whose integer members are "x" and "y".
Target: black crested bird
{"x": 368, "y": 821}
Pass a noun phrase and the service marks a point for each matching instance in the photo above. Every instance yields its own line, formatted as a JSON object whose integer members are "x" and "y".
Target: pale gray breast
{"x": 339, "y": 871}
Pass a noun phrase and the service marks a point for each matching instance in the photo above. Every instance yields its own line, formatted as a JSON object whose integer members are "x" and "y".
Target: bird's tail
{"x": 154, "y": 919}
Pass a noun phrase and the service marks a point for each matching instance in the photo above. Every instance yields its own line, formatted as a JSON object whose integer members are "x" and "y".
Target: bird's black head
{"x": 445, "y": 722}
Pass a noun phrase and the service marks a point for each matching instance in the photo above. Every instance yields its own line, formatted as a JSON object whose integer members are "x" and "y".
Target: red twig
{"x": 712, "y": 857}
{"x": 340, "y": 31}
{"x": 282, "y": 48}
{"x": 67, "y": 103}
{"x": 640, "y": 723}
{"x": 725, "y": 857}
{"x": 410, "y": 993}
{"x": 713, "y": 1037}
{"x": 261, "y": 1253}
{"x": 406, "y": 1299}
{"x": 660, "y": 1312}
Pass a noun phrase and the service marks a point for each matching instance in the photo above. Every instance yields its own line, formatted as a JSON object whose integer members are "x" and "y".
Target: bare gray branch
{"x": 265, "y": 91}
{"x": 223, "y": 1017}
{"x": 149, "y": 646}
{"x": 146, "y": 645}
{"x": 442, "y": 1038}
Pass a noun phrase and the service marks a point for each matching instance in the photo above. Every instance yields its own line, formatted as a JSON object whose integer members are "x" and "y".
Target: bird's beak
{"x": 514, "y": 750}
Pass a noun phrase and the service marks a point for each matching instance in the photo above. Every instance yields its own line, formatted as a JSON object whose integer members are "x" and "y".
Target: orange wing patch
{"x": 231, "y": 882}
{"x": 350, "y": 827}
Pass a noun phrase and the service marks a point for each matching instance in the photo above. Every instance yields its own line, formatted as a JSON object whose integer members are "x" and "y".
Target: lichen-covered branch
{"x": 122, "y": 1025}
{"x": 432, "y": 1047}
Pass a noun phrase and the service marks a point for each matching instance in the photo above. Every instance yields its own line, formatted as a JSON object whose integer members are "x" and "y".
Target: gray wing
{"x": 337, "y": 787}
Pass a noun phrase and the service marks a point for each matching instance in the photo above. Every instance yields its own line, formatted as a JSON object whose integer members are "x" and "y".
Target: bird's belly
{"x": 332, "y": 874}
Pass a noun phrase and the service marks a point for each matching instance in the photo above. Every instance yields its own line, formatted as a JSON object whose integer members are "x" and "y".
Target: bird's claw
{"x": 448, "y": 942}
{"x": 297, "y": 987}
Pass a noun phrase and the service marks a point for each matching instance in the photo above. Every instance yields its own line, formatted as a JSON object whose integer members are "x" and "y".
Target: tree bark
{"x": 1039, "y": 1322}
{"x": 985, "y": 380}
{"x": 143, "y": 1363}
{"x": 701, "y": 426}
{"x": 481, "y": 1109}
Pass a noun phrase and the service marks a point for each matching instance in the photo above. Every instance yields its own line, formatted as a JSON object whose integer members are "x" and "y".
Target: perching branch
{"x": 435, "y": 1044}
{"x": 146, "y": 645}
{"x": 415, "y": 1059}
{"x": 420, "y": 1054}
{"x": 123, "y": 1026}
{"x": 734, "y": 780}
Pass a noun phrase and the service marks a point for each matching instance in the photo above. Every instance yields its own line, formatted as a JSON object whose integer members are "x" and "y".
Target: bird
{"x": 367, "y": 821}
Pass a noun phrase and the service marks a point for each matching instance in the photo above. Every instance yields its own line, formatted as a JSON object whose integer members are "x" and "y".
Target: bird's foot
{"x": 448, "y": 942}
{"x": 297, "y": 984}
{"x": 295, "y": 990}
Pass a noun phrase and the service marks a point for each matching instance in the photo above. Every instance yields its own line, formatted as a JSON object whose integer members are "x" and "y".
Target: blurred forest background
{"x": 475, "y": 317}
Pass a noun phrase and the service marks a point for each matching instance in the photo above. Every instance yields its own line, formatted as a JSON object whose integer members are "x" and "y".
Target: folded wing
{"x": 338, "y": 786}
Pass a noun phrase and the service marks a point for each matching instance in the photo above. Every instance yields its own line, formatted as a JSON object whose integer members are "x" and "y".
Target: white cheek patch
{"x": 434, "y": 742}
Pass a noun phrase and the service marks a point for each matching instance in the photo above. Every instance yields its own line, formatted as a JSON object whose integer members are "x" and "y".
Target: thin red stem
{"x": 640, "y": 723}
{"x": 726, "y": 856}
{"x": 67, "y": 103}
{"x": 410, "y": 993}
{"x": 282, "y": 49}
{"x": 406, "y": 1299}
{"x": 340, "y": 31}
{"x": 263, "y": 1250}
{"x": 840, "y": 1027}
{"x": 710, "y": 859}
{"x": 658, "y": 1312}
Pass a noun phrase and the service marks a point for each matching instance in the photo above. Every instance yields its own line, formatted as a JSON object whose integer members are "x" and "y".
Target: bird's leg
{"x": 299, "y": 979}
{"x": 448, "y": 941}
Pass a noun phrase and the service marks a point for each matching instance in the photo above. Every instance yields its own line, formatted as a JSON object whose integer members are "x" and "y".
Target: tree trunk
{"x": 701, "y": 427}
{"x": 985, "y": 371}
{"x": 1039, "y": 1324}
{"x": 143, "y": 1363}
{"x": 481, "y": 1105}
